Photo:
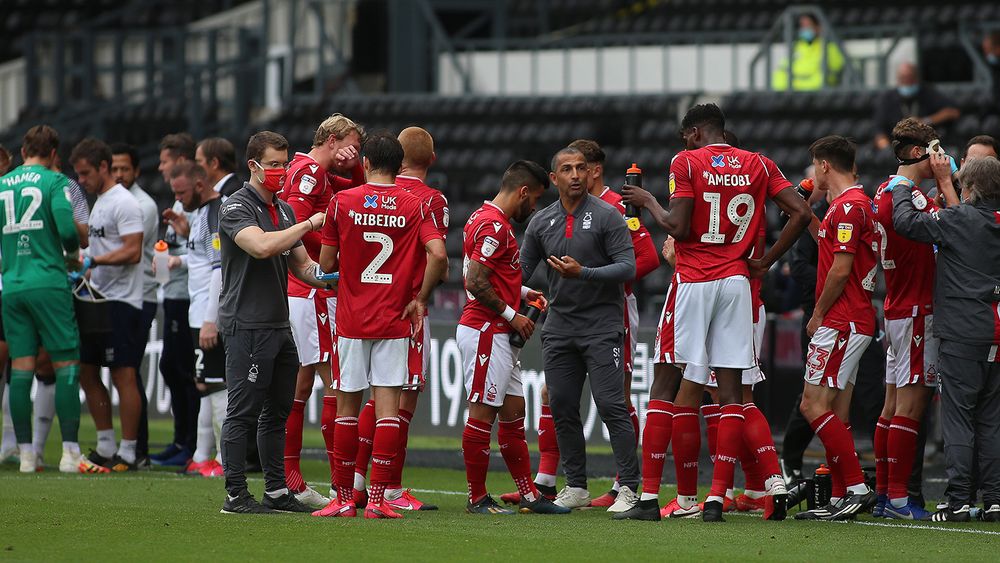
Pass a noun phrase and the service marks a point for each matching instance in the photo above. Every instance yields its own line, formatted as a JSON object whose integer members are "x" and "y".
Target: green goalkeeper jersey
{"x": 37, "y": 229}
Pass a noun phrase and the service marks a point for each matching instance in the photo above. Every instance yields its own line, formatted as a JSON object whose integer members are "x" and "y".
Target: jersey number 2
{"x": 26, "y": 223}
{"x": 370, "y": 273}
{"x": 741, "y": 220}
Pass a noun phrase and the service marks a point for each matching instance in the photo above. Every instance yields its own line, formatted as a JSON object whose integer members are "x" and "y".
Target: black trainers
{"x": 486, "y": 505}
{"x": 712, "y": 512}
{"x": 98, "y": 459}
{"x": 541, "y": 505}
{"x": 648, "y": 510}
{"x": 853, "y": 504}
{"x": 948, "y": 514}
{"x": 547, "y": 491}
{"x": 244, "y": 503}
{"x": 285, "y": 503}
{"x": 991, "y": 514}
{"x": 119, "y": 465}
{"x": 820, "y": 513}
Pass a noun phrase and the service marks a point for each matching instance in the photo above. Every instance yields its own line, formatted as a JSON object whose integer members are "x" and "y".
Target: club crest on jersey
{"x": 371, "y": 201}
{"x": 306, "y": 184}
{"x": 844, "y": 232}
{"x": 490, "y": 246}
{"x": 719, "y": 161}
{"x": 588, "y": 218}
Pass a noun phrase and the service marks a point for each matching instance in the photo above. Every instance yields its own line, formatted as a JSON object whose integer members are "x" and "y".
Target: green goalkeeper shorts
{"x": 42, "y": 316}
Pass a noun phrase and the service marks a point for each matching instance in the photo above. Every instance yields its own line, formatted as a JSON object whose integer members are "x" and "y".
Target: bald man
{"x": 911, "y": 98}
{"x": 418, "y": 156}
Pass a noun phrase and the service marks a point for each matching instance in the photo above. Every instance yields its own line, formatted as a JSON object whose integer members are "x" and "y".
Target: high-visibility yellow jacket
{"x": 807, "y": 67}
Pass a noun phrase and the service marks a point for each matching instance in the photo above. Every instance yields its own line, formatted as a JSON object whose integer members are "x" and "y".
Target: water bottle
{"x": 633, "y": 177}
{"x": 822, "y": 486}
{"x": 805, "y": 188}
{"x": 532, "y": 310}
{"x": 161, "y": 259}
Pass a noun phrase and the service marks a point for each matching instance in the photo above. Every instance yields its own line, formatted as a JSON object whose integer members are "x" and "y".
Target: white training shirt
{"x": 150, "y": 228}
{"x": 202, "y": 258}
{"x": 177, "y": 286}
{"x": 116, "y": 213}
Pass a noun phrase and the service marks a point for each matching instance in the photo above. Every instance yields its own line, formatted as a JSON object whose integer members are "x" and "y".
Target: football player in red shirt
{"x": 311, "y": 181}
{"x": 375, "y": 236}
{"x": 492, "y": 271}
{"x": 911, "y": 360}
{"x": 418, "y": 156}
{"x": 842, "y": 324}
{"x": 716, "y": 207}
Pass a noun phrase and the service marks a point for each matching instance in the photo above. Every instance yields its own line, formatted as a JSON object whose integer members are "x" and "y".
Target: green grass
{"x": 157, "y": 515}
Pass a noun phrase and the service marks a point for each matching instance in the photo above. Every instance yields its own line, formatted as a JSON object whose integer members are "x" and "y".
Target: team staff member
{"x": 177, "y": 357}
{"x": 217, "y": 157}
{"x": 125, "y": 171}
{"x": 115, "y": 254}
{"x": 584, "y": 331}
{"x": 260, "y": 244}
{"x": 966, "y": 320}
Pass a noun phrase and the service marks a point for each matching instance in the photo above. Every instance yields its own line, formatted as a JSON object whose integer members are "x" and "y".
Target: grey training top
{"x": 596, "y": 236}
{"x": 254, "y": 292}
{"x": 967, "y": 276}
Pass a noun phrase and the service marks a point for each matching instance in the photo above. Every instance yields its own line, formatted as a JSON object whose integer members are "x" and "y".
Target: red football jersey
{"x": 489, "y": 239}
{"x": 308, "y": 189}
{"x": 438, "y": 206}
{"x": 647, "y": 258}
{"x": 729, "y": 187}
{"x": 381, "y": 231}
{"x": 910, "y": 292}
{"x": 849, "y": 227}
{"x": 756, "y": 283}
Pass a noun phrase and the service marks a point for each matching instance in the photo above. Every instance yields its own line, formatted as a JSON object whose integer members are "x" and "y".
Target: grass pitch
{"x": 157, "y": 515}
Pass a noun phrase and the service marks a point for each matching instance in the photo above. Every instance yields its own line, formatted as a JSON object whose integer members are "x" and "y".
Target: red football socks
{"x": 476, "y": 451}
{"x": 711, "y": 415}
{"x": 514, "y": 449}
{"x": 328, "y": 426}
{"x": 345, "y": 452}
{"x": 396, "y": 482}
{"x": 840, "y": 451}
{"x": 882, "y": 456}
{"x": 655, "y": 439}
{"x": 293, "y": 447}
{"x": 383, "y": 451}
{"x": 902, "y": 450}
{"x": 730, "y": 443}
{"x": 757, "y": 435}
{"x": 366, "y": 438}
{"x": 687, "y": 445}
{"x": 548, "y": 447}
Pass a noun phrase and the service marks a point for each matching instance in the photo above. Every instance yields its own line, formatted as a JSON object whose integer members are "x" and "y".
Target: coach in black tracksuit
{"x": 260, "y": 243}
{"x": 967, "y": 320}
{"x": 589, "y": 253}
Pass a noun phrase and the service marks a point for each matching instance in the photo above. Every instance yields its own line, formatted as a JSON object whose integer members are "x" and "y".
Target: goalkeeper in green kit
{"x": 39, "y": 243}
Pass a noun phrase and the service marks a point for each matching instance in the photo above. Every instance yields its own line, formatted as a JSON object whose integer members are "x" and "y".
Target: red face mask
{"x": 274, "y": 179}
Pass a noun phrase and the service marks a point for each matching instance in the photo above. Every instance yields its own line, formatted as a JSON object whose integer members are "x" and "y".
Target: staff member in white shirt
{"x": 115, "y": 255}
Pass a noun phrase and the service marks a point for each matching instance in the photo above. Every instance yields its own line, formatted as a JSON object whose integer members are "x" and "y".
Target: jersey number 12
{"x": 26, "y": 223}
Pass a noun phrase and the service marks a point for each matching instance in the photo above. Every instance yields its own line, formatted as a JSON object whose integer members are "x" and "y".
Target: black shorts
{"x": 209, "y": 365}
{"x": 121, "y": 347}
